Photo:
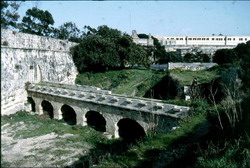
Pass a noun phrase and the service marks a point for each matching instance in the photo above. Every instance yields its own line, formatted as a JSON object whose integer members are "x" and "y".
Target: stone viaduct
{"x": 103, "y": 110}
{"x": 28, "y": 61}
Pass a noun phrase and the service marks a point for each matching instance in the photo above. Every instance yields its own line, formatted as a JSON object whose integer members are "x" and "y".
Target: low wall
{"x": 195, "y": 66}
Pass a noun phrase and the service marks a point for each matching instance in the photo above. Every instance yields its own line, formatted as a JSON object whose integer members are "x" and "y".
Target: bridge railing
{"x": 153, "y": 106}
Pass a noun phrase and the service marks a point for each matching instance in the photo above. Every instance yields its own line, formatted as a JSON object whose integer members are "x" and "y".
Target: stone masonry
{"x": 31, "y": 58}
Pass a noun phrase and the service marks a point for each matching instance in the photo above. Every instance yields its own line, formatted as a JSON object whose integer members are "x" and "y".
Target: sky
{"x": 154, "y": 17}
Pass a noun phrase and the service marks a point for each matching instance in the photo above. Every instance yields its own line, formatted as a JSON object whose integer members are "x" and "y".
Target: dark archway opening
{"x": 33, "y": 105}
{"x": 130, "y": 130}
{"x": 165, "y": 89}
{"x": 47, "y": 109}
{"x": 68, "y": 114}
{"x": 96, "y": 121}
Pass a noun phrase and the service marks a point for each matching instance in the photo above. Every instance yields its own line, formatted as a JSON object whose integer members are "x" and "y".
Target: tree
{"x": 189, "y": 57}
{"x": 67, "y": 31}
{"x": 9, "y": 15}
{"x": 37, "y": 22}
{"x": 105, "y": 48}
{"x": 223, "y": 56}
{"x": 159, "y": 53}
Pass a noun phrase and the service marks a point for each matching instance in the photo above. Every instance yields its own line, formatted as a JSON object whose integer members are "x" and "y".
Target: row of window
{"x": 217, "y": 39}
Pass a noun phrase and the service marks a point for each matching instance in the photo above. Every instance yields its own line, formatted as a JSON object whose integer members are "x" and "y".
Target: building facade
{"x": 205, "y": 44}
{"x": 202, "y": 40}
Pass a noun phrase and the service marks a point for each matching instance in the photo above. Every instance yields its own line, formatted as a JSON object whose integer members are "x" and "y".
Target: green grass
{"x": 154, "y": 144}
{"x": 185, "y": 77}
{"x": 38, "y": 126}
{"x": 132, "y": 82}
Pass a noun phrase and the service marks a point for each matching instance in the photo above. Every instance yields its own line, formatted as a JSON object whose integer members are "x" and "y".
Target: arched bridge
{"x": 115, "y": 114}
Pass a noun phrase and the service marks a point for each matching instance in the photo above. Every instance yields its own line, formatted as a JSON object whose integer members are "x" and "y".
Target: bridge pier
{"x": 38, "y": 105}
{"x": 57, "y": 110}
{"x": 80, "y": 115}
{"x": 111, "y": 126}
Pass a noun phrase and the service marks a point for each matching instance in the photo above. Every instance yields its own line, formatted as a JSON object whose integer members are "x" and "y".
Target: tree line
{"x": 104, "y": 47}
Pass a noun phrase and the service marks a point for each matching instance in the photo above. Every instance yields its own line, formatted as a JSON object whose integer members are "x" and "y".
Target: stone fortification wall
{"x": 31, "y": 58}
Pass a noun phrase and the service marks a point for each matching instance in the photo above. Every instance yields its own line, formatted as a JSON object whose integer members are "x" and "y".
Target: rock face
{"x": 31, "y": 58}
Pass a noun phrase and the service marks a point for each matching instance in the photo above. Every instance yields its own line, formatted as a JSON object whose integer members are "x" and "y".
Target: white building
{"x": 202, "y": 40}
{"x": 206, "y": 44}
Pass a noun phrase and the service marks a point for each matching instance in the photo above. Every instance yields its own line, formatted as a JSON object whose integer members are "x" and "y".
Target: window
{"x": 229, "y": 39}
{"x": 207, "y": 38}
{"x": 177, "y": 38}
{"x": 198, "y": 38}
{"x": 172, "y": 38}
{"x": 245, "y": 39}
{"x": 194, "y": 38}
{"x": 203, "y": 39}
{"x": 240, "y": 39}
{"x": 217, "y": 39}
{"x": 181, "y": 38}
{"x": 189, "y": 38}
{"x": 234, "y": 39}
{"x": 212, "y": 38}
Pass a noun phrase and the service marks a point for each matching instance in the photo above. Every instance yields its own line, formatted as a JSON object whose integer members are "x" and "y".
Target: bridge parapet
{"x": 152, "y": 106}
{"x": 74, "y": 87}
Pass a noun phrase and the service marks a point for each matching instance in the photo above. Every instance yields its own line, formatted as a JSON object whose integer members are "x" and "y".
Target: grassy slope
{"x": 136, "y": 82}
{"x": 131, "y": 82}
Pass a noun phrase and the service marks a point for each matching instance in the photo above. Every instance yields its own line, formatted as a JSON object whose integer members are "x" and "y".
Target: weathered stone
{"x": 31, "y": 58}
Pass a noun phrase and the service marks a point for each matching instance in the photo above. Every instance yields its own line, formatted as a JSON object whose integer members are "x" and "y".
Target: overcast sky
{"x": 155, "y": 17}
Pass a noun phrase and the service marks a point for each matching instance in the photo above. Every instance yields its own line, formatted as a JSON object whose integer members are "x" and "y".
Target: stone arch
{"x": 33, "y": 104}
{"x": 96, "y": 121}
{"x": 68, "y": 114}
{"x": 130, "y": 130}
{"x": 47, "y": 108}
